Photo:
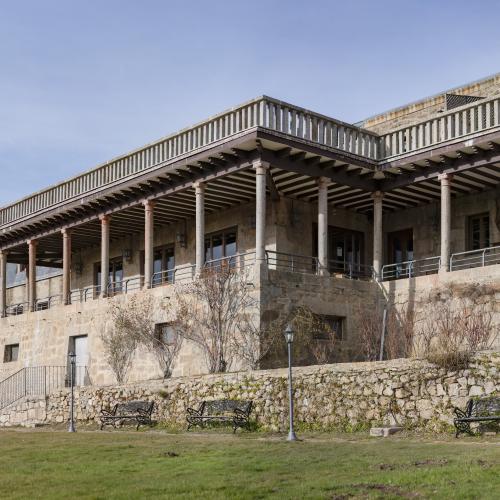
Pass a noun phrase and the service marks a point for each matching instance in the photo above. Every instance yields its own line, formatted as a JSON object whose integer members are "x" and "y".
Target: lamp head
{"x": 289, "y": 334}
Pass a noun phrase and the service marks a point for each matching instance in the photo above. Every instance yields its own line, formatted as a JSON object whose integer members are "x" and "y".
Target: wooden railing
{"x": 455, "y": 124}
{"x": 262, "y": 112}
{"x": 266, "y": 113}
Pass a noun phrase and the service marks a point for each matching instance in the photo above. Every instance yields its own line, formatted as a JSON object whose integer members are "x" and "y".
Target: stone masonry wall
{"x": 342, "y": 396}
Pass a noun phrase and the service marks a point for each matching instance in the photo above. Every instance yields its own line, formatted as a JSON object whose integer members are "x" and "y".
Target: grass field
{"x": 123, "y": 464}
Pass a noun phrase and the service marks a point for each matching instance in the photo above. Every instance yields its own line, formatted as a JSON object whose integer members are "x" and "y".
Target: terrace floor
{"x": 50, "y": 463}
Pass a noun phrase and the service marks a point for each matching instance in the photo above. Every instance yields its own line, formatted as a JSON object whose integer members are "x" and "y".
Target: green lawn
{"x": 122, "y": 464}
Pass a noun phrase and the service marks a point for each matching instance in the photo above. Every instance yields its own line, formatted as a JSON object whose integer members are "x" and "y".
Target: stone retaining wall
{"x": 342, "y": 396}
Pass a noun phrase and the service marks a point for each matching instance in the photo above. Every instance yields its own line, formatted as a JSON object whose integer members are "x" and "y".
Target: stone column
{"x": 66, "y": 285}
{"x": 105, "y": 221}
{"x": 3, "y": 283}
{"x": 200, "y": 226}
{"x": 148, "y": 242}
{"x": 377, "y": 234}
{"x": 260, "y": 212}
{"x": 323, "y": 226}
{"x": 31, "y": 277}
{"x": 445, "y": 180}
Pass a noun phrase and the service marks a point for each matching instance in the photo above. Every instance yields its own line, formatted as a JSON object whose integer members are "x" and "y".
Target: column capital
{"x": 322, "y": 181}
{"x": 32, "y": 243}
{"x": 149, "y": 204}
{"x": 105, "y": 218}
{"x": 260, "y": 167}
{"x": 443, "y": 178}
{"x": 199, "y": 186}
{"x": 66, "y": 231}
{"x": 377, "y": 195}
{"x": 4, "y": 253}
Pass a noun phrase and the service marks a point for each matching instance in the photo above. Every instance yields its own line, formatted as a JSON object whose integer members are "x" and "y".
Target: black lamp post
{"x": 72, "y": 363}
{"x": 289, "y": 341}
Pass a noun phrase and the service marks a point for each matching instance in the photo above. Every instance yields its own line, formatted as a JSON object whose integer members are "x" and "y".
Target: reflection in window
{"x": 220, "y": 245}
{"x": 479, "y": 232}
{"x": 163, "y": 265}
{"x": 115, "y": 276}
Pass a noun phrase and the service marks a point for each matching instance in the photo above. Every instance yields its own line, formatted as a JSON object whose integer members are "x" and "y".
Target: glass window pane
{"x": 217, "y": 247}
{"x": 231, "y": 248}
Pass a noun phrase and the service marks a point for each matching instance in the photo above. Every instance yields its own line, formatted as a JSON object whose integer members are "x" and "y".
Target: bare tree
{"x": 217, "y": 313}
{"x": 134, "y": 325}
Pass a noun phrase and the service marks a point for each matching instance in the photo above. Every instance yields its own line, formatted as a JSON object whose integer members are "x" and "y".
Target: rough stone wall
{"x": 426, "y": 108}
{"x": 343, "y": 396}
{"x": 329, "y": 296}
{"x": 411, "y": 294}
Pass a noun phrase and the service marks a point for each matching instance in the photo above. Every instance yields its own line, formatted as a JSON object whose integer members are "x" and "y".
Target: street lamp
{"x": 289, "y": 341}
{"x": 72, "y": 362}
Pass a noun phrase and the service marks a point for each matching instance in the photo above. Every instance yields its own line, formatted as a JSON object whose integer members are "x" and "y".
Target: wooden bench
{"x": 477, "y": 410}
{"x": 225, "y": 410}
{"x": 138, "y": 411}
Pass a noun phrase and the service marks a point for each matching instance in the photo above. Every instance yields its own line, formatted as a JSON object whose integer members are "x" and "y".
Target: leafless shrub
{"x": 370, "y": 333}
{"x": 399, "y": 337}
{"x": 133, "y": 326}
{"x": 119, "y": 346}
{"x": 216, "y": 313}
{"x": 458, "y": 324}
{"x": 314, "y": 339}
{"x": 399, "y": 333}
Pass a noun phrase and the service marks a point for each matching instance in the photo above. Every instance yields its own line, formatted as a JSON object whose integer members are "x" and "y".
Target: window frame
{"x": 329, "y": 319}
{"x": 8, "y": 353}
{"x": 159, "y": 333}
{"x": 482, "y": 233}
{"x": 112, "y": 264}
{"x": 223, "y": 233}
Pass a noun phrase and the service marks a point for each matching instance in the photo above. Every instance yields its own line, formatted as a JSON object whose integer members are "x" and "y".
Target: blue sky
{"x": 81, "y": 82}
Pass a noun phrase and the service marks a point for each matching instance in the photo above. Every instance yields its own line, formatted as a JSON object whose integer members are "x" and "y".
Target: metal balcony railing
{"x": 411, "y": 268}
{"x": 178, "y": 274}
{"x": 17, "y": 309}
{"x": 475, "y": 258}
{"x": 293, "y": 263}
{"x": 351, "y": 270}
{"x": 303, "y": 264}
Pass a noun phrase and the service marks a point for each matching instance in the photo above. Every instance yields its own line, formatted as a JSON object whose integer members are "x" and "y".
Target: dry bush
{"x": 134, "y": 326}
{"x": 369, "y": 333}
{"x": 458, "y": 324}
{"x": 399, "y": 331}
{"x": 119, "y": 348}
{"x": 216, "y": 313}
{"x": 314, "y": 340}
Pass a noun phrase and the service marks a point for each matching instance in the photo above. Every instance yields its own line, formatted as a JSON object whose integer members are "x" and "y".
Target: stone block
{"x": 384, "y": 431}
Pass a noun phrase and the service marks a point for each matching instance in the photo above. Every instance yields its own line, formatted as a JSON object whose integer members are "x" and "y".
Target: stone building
{"x": 335, "y": 216}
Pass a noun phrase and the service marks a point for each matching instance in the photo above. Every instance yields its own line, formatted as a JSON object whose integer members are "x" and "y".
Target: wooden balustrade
{"x": 460, "y": 122}
{"x": 270, "y": 114}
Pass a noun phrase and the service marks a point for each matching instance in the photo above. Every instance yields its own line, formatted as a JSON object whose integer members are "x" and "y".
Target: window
{"x": 42, "y": 305}
{"x": 336, "y": 323}
{"x": 478, "y": 229}
{"x": 345, "y": 249}
{"x": 163, "y": 265}
{"x": 166, "y": 333}
{"x": 11, "y": 353}
{"x": 221, "y": 244}
{"x": 115, "y": 276}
